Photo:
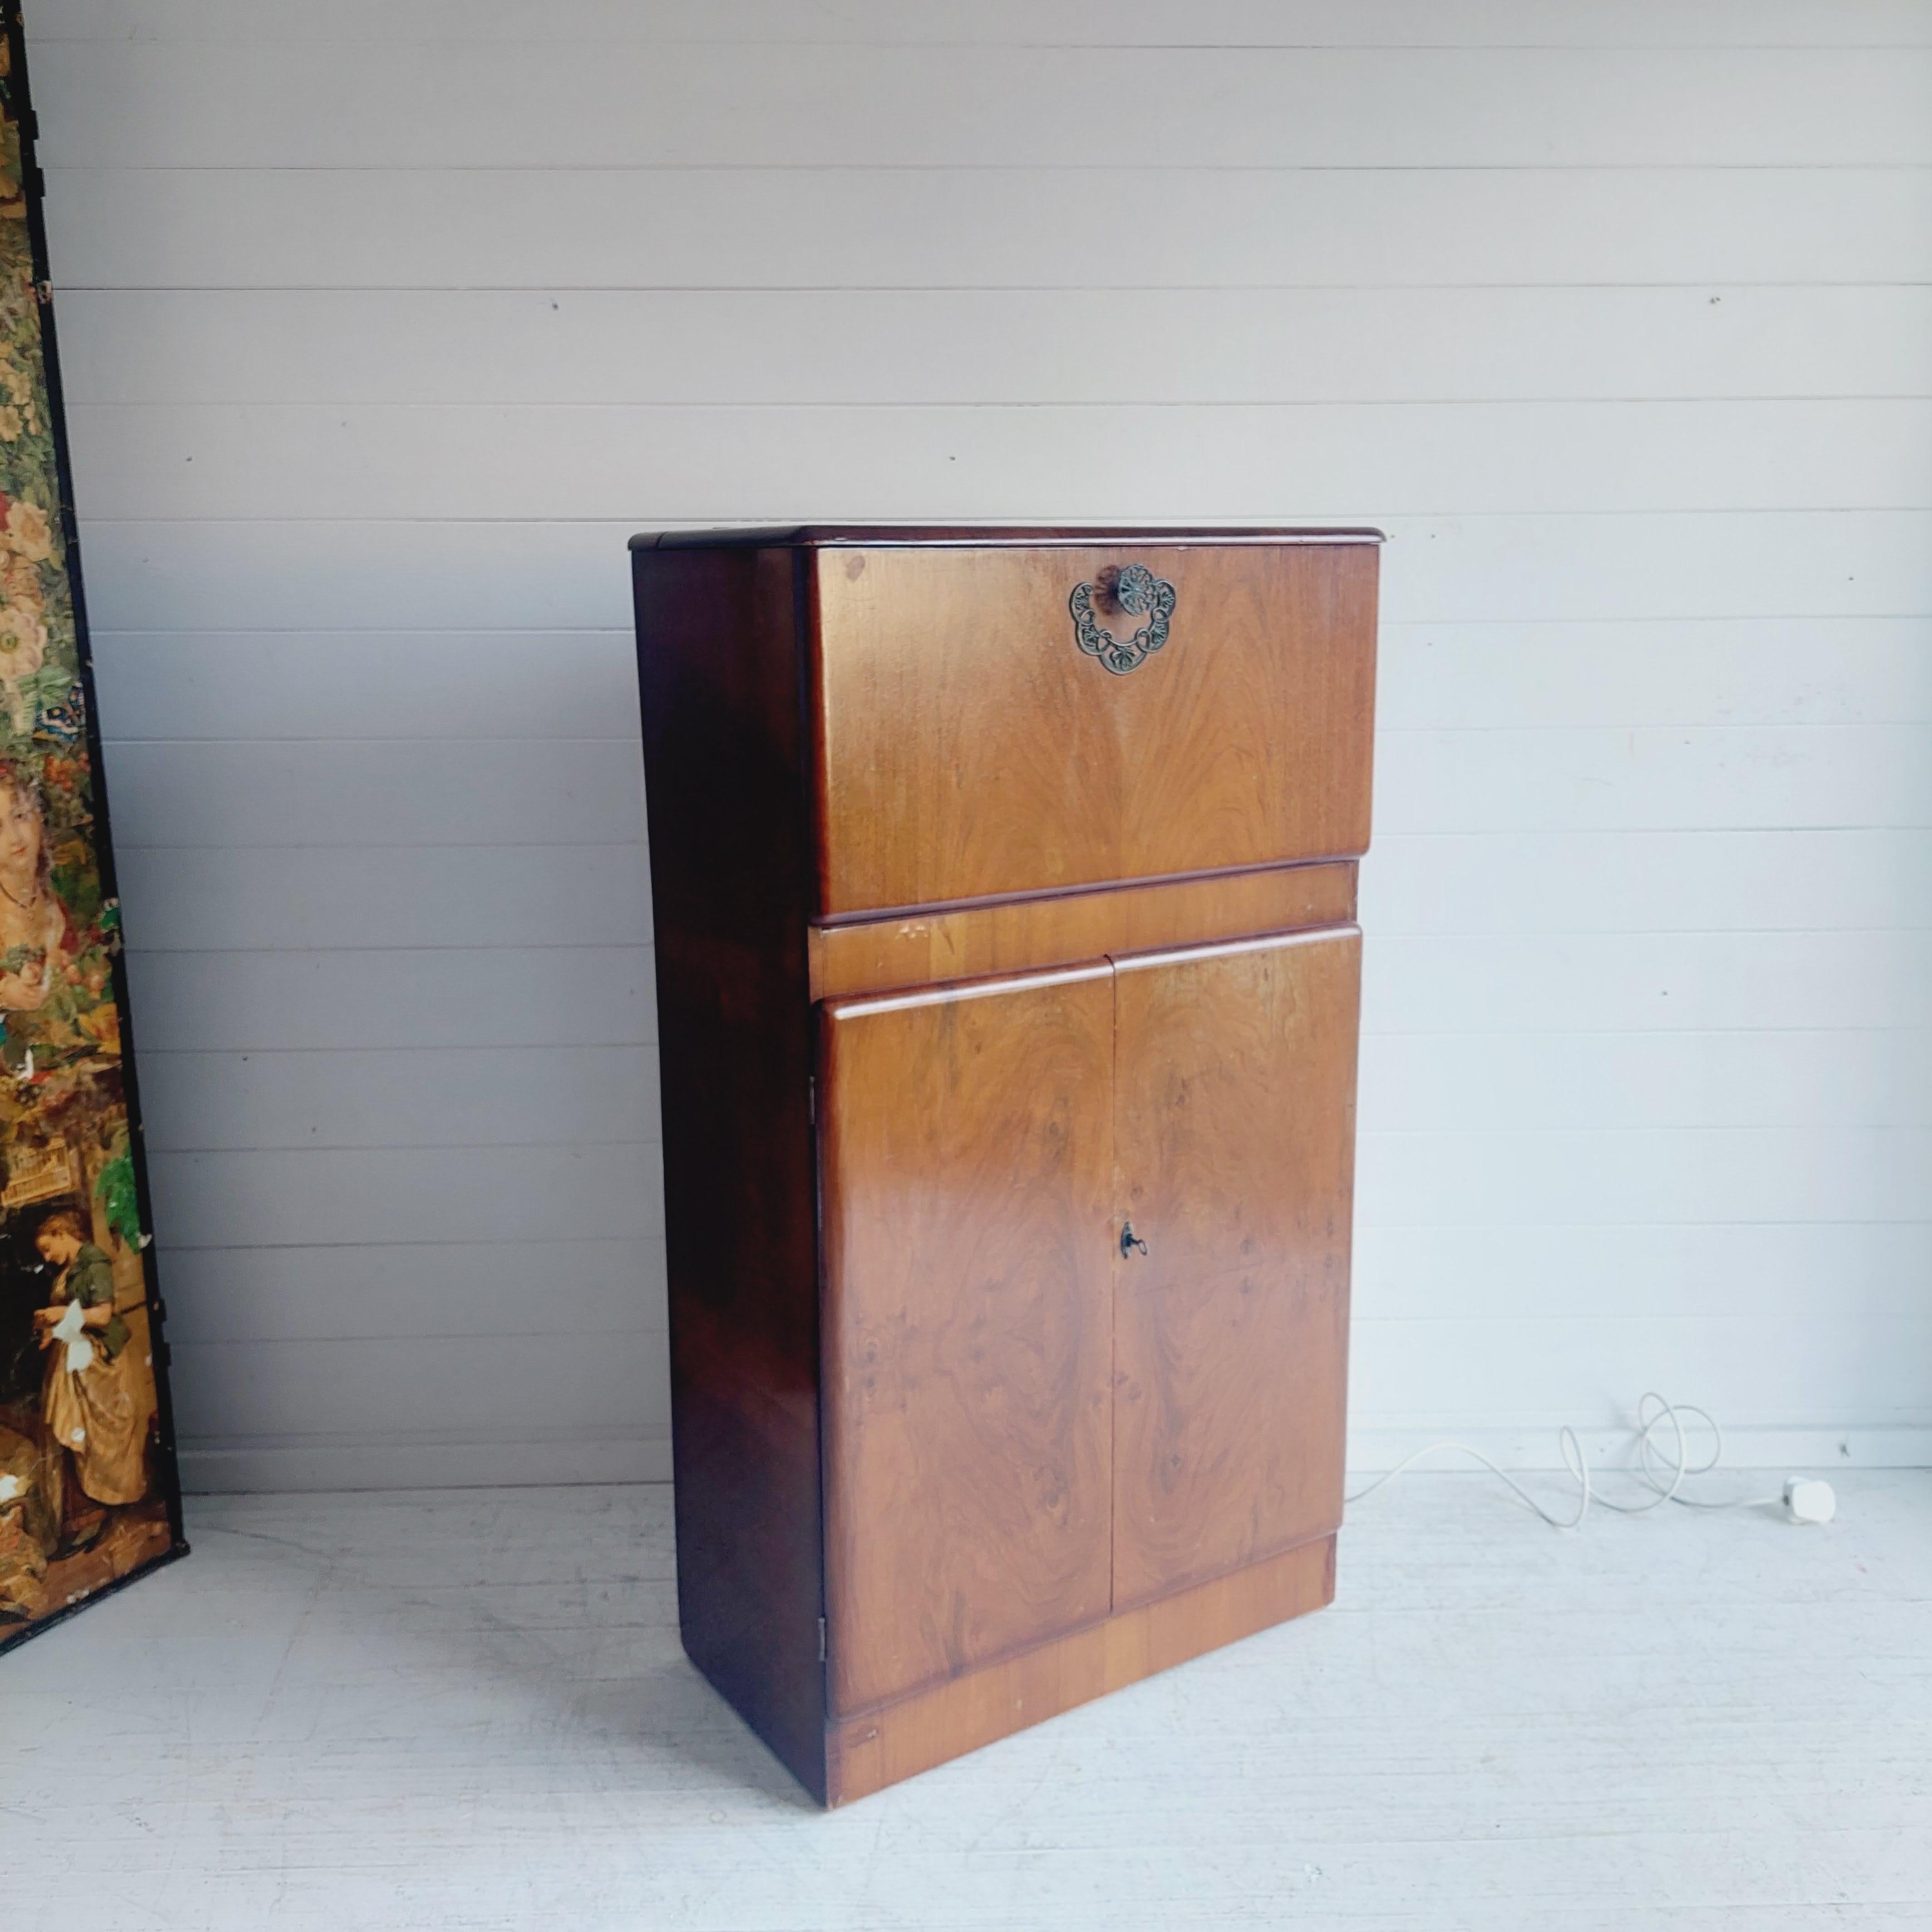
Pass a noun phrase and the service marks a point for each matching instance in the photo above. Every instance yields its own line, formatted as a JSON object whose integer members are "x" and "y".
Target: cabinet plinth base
{"x": 864, "y": 1754}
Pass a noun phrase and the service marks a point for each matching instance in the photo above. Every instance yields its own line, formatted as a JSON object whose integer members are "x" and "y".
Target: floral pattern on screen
{"x": 80, "y": 1500}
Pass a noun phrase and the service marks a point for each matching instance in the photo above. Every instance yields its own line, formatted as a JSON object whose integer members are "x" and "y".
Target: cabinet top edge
{"x": 986, "y": 536}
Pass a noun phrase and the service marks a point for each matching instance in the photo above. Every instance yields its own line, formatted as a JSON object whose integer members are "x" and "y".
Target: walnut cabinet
{"x": 1004, "y": 886}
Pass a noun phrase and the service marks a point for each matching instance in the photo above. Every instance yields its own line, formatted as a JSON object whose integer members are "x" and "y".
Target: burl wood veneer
{"x": 1007, "y": 981}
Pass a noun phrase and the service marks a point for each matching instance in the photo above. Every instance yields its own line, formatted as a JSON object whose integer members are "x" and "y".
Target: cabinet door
{"x": 967, "y": 746}
{"x": 1235, "y": 1132}
{"x": 966, "y": 1158}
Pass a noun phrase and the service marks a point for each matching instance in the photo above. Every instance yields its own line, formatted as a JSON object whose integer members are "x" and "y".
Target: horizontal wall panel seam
{"x": 1686, "y": 284}
{"x": 350, "y": 1338}
{"x": 159, "y": 1147}
{"x": 997, "y": 404}
{"x": 54, "y": 168}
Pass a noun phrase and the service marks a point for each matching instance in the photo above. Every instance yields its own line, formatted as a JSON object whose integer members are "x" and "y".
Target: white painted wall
{"x": 386, "y": 322}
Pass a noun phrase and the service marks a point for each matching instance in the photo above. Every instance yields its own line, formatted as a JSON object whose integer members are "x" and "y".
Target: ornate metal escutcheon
{"x": 1140, "y": 594}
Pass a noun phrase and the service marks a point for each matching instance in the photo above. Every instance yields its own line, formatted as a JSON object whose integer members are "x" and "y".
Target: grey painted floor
{"x": 469, "y": 1709}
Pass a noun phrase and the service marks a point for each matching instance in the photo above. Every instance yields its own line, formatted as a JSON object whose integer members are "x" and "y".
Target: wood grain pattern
{"x": 966, "y": 748}
{"x": 717, "y": 656}
{"x": 967, "y": 1163}
{"x": 863, "y": 1754}
{"x": 1234, "y": 1138}
{"x": 1024, "y": 935}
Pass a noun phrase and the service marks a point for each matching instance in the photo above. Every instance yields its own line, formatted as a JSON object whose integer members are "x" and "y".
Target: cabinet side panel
{"x": 718, "y": 674}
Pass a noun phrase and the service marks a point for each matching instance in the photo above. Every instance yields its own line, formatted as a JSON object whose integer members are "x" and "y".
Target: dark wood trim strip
{"x": 877, "y": 915}
{"x": 989, "y": 536}
{"x": 1031, "y": 934}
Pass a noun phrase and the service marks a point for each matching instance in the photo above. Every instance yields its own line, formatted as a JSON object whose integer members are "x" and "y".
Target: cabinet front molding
{"x": 932, "y": 948}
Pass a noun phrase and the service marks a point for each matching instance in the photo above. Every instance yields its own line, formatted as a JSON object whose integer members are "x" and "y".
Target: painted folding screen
{"x": 89, "y": 1494}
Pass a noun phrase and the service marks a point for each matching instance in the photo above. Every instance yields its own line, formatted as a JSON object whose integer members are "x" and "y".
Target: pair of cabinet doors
{"x": 1086, "y": 1259}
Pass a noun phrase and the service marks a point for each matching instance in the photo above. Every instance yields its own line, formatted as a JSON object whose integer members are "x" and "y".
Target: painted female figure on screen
{"x": 37, "y": 939}
{"x": 92, "y": 1410}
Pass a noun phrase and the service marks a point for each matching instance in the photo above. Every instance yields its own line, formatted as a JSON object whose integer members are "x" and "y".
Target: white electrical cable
{"x": 1652, "y": 1467}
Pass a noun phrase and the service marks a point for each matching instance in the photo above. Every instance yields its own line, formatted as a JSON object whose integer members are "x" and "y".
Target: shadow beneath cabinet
{"x": 521, "y": 1644}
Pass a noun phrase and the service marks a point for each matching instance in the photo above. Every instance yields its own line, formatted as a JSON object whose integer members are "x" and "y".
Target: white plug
{"x": 1809, "y": 1500}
